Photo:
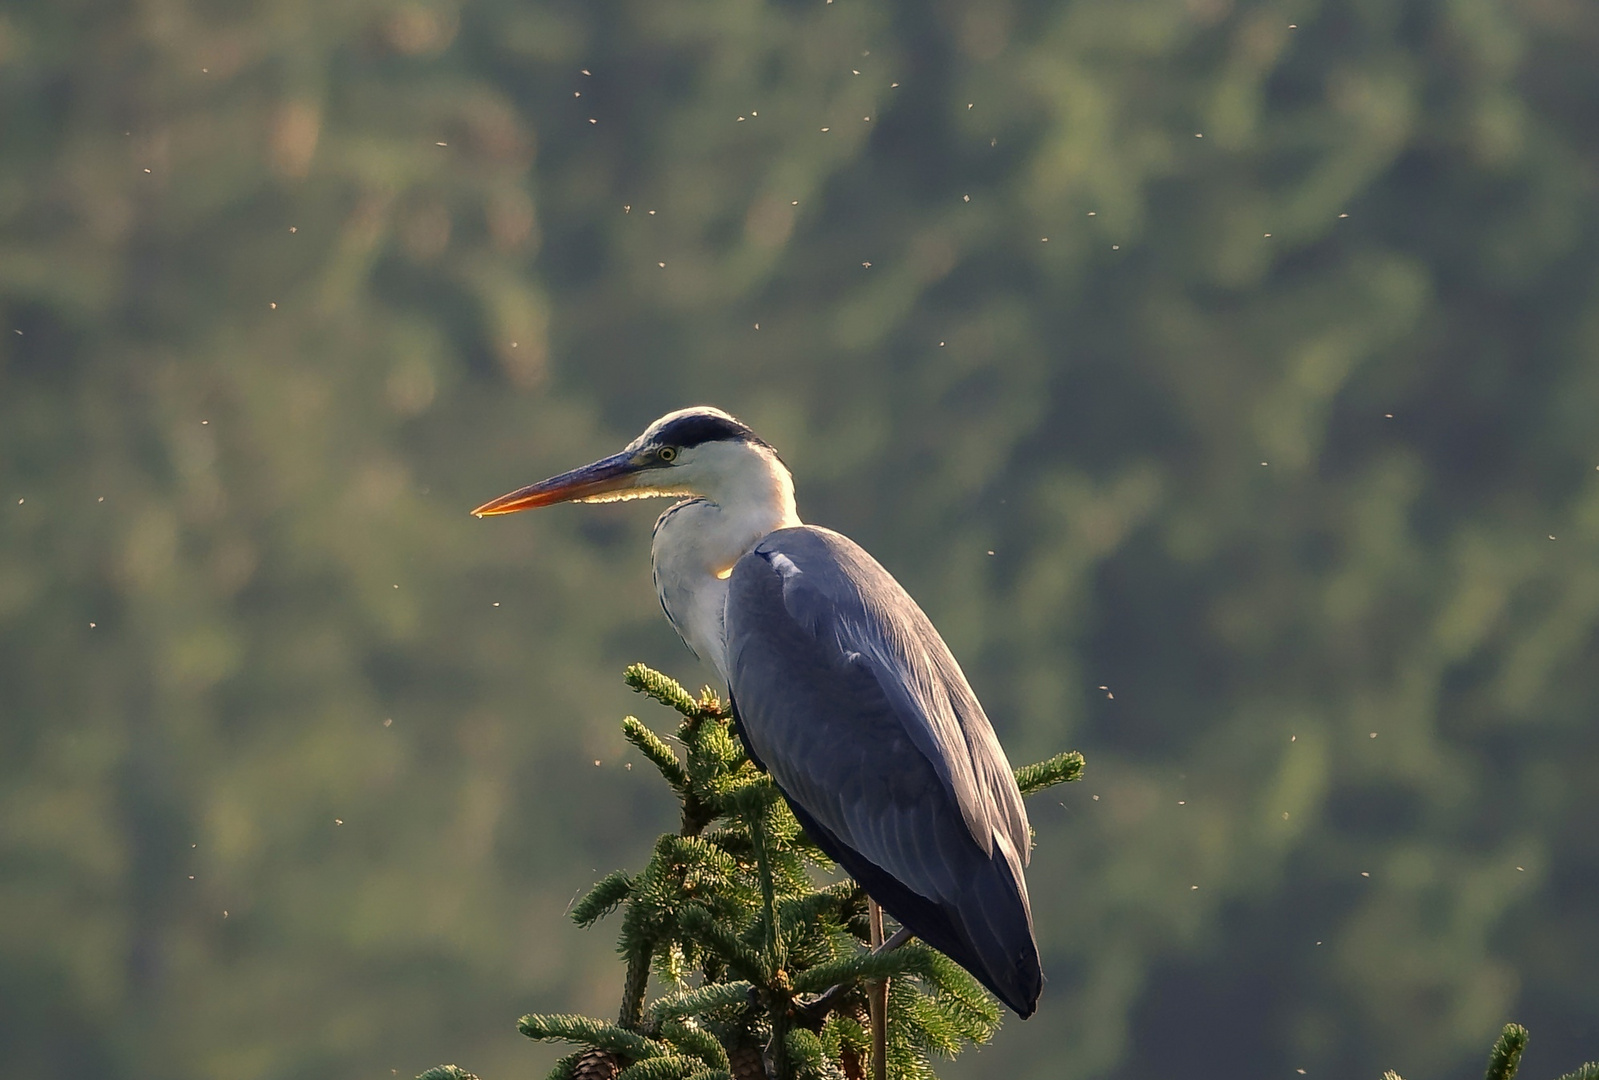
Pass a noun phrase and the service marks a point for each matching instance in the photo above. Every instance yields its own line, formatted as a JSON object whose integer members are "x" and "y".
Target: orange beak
{"x": 618, "y": 472}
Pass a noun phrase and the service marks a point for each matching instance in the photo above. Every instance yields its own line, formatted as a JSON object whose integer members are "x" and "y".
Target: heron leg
{"x": 819, "y": 1005}
{"x": 895, "y": 940}
{"x": 877, "y": 997}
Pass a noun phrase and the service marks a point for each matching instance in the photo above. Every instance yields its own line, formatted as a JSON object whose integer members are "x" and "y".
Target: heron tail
{"x": 988, "y": 930}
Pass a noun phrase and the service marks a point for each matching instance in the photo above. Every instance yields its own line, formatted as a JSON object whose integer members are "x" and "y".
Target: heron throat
{"x": 743, "y": 493}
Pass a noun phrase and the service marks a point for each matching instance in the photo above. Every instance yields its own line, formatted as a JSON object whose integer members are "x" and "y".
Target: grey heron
{"x": 843, "y": 691}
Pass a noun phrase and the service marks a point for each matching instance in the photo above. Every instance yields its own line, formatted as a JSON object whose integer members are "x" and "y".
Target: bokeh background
{"x": 1221, "y": 375}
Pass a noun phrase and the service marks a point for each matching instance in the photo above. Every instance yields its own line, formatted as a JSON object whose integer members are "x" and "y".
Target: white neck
{"x": 745, "y": 493}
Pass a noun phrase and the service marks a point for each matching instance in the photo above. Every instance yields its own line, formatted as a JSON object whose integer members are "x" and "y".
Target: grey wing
{"x": 853, "y": 703}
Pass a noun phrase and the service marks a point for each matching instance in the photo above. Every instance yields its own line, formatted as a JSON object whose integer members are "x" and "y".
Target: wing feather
{"x": 858, "y": 709}
{"x": 848, "y": 697}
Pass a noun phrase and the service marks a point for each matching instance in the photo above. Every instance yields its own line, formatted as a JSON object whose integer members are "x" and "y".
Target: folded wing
{"x": 849, "y": 698}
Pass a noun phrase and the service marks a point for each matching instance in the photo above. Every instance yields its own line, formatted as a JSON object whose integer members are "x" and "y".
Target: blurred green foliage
{"x": 1287, "y": 519}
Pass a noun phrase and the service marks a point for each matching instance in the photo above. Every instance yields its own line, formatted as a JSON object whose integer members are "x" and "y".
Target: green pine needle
{"x": 666, "y": 1067}
{"x": 699, "y": 855}
{"x": 667, "y": 691}
{"x": 739, "y": 957}
{"x": 836, "y": 903}
{"x": 653, "y": 747}
{"x": 446, "y": 1072}
{"x": 970, "y": 1008}
{"x": 602, "y": 899}
{"x": 840, "y": 1031}
{"x": 906, "y": 960}
{"x": 702, "y": 1000}
{"x": 753, "y": 800}
{"x": 564, "y": 1068}
{"x": 695, "y": 1040}
{"x": 954, "y": 980}
{"x": 1060, "y": 769}
{"x": 809, "y": 1057}
{"x": 1391, "y": 1075}
{"x": 712, "y": 1074}
{"x": 587, "y": 1031}
{"x": 908, "y": 1037}
{"x": 711, "y": 705}
{"x": 1587, "y": 1071}
{"x": 714, "y": 751}
{"x": 1506, "y": 1054}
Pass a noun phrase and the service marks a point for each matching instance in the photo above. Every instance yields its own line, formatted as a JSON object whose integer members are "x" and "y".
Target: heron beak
{"x": 596, "y": 482}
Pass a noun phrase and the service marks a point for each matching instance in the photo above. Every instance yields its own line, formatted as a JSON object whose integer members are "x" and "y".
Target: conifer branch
{"x": 1505, "y": 1057}
{"x": 602, "y": 899}
{"x": 809, "y": 1056}
{"x": 735, "y": 840}
{"x": 702, "y": 1000}
{"x": 753, "y": 799}
{"x": 654, "y": 747}
{"x": 843, "y": 1034}
{"x": 697, "y": 1041}
{"x": 446, "y": 1072}
{"x": 714, "y": 753}
{"x": 665, "y": 1067}
{"x": 711, "y": 705}
{"x": 739, "y": 957}
{"x": 776, "y": 954}
{"x": 667, "y": 691}
{"x": 694, "y": 854}
{"x": 839, "y": 901}
{"x": 631, "y": 1013}
{"x": 587, "y": 1031}
{"x": 907, "y": 960}
{"x": 1063, "y": 768}
{"x": 782, "y": 1022}
{"x": 563, "y": 1068}
{"x": 962, "y": 993}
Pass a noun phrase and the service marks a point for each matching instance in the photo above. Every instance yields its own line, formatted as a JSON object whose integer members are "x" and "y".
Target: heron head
{"x": 697, "y": 451}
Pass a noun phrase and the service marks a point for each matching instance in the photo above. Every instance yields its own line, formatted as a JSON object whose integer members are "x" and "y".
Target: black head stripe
{"x": 697, "y": 428}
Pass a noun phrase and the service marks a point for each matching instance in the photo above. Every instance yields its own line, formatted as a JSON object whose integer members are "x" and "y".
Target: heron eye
{"x": 667, "y": 453}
